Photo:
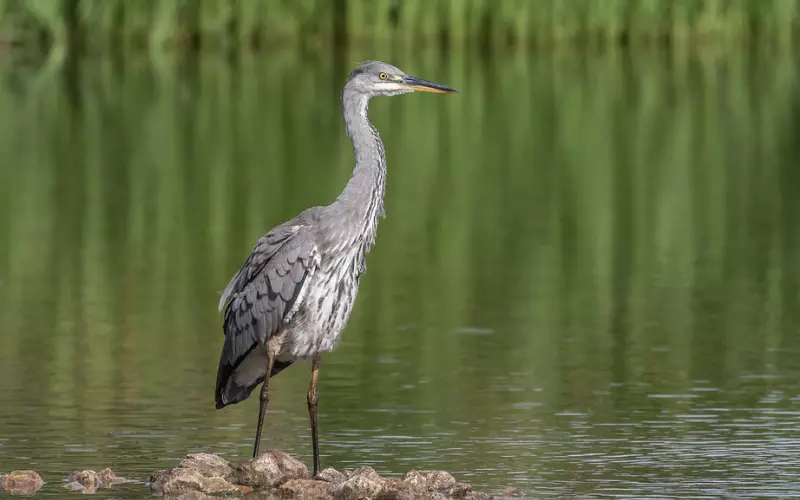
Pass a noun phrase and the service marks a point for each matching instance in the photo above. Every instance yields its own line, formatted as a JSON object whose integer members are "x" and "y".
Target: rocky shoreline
{"x": 273, "y": 474}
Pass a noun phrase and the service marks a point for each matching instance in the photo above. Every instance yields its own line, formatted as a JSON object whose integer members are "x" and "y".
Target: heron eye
{"x": 383, "y": 76}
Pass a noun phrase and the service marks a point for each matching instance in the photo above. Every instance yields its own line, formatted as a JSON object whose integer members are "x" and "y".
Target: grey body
{"x": 292, "y": 297}
{"x": 302, "y": 277}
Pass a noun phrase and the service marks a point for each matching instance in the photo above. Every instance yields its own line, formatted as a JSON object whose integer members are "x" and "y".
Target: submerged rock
{"x": 331, "y": 475}
{"x": 512, "y": 492}
{"x": 108, "y": 478}
{"x": 275, "y": 474}
{"x": 179, "y": 481}
{"x": 474, "y": 495}
{"x": 306, "y": 488}
{"x": 439, "y": 480}
{"x": 197, "y": 473}
{"x": 87, "y": 481}
{"x": 207, "y": 464}
{"x": 269, "y": 470}
{"x": 21, "y": 482}
{"x": 363, "y": 482}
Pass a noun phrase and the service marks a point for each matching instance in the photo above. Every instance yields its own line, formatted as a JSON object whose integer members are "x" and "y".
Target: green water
{"x": 586, "y": 284}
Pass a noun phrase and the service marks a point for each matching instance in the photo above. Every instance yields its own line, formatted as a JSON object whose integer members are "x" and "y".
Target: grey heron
{"x": 293, "y": 295}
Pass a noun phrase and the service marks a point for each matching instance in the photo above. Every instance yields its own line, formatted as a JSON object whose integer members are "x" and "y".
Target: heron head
{"x": 377, "y": 78}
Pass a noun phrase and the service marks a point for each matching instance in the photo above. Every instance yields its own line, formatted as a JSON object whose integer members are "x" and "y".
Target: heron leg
{"x": 264, "y": 400}
{"x": 312, "y": 412}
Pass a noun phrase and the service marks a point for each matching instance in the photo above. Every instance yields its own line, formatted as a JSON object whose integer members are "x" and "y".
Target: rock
{"x": 179, "y": 481}
{"x": 244, "y": 489}
{"x": 331, "y": 475}
{"x": 108, "y": 478}
{"x": 207, "y": 464}
{"x": 87, "y": 480}
{"x": 22, "y": 482}
{"x": 416, "y": 480}
{"x": 280, "y": 476}
{"x": 361, "y": 483}
{"x": 307, "y": 488}
{"x": 74, "y": 486}
{"x": 398, "y": 489}
{"x": 432, "y": 480}
{"x": 194, "y": 495}
{"x": 439, "y": 480}
{"x": 361, "y": 471}
{"x": 459, "y": 490}
{"x": 269, "y": 470}
{"x": 474, "y": 495}
{"x": 512, "y": 492}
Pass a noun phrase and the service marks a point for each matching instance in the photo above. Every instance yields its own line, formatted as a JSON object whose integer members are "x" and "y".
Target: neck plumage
{"x": 361, "y": 201}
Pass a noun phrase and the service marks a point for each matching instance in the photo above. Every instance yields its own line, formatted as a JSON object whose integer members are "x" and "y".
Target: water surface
{"x": 586, "y": 284}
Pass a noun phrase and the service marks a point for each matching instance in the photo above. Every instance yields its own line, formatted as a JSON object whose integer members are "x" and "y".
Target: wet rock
{"x": 361, "y": 471}
{"x": 269, "y": 470}
{"x": 512, "y": 492}
{"x": 180, "y": 481}
{"x": 277, "y": 475}
{"x": 361, "y": 483}
{"x": 432, "y": 480}
{"x": 459, "y": 490}
{"x": 416, "y": 480}
{"x": 74, "y": 486}
{"x": 194, "y": 495}
{"x": 306, "y": 488}
{"x": 474, "y": 495}
{"x": 207, "y": 464}
{"x": 244, "y": 489}
{"x": 438, "y": 480}
{"x": 331, "y": 475}
{"x": 108, "y": 478}
{"x": 398, "y": 489}
{"x": 22, "y": 482}
{"x": 88, "y": 481}
{"x": 85, "y": 480}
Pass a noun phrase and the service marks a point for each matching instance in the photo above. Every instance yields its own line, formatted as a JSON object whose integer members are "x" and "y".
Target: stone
{"x": 179, "y": 481}
{"x": 194, "y": 495}
{"x": 361, "y": 471}
{"x": 74, "y": 486}
{"x": 21, "y": 482}
{"x": 87, "y": 479}
{"x": 439, "y": 480}
{"x": 108, "y": 478}
{"x": 307, "y": 488}
{"x": 398, "y": 489}
{"x": 277, "y": 475}
{"x": 511, "y": 492}
{"x": 269, "y": 470}
{"x": 207, "y": 464}
{"x": 459, "y": 490}
{"x": 361, "y": 483}
{"x": 474, "y": 495}
{"x": 416, "y": 480}
{"x": 331, "y": 475}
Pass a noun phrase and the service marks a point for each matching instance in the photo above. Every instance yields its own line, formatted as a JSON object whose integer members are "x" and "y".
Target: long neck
{"x": 361, "y": 201}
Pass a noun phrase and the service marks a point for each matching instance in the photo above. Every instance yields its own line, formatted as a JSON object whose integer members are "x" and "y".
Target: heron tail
{"x": 235, "y": 383}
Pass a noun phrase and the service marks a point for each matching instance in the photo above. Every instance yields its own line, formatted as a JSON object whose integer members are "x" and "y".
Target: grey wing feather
{"x": 261, "y": 295}
{"x": 266, "y": 247}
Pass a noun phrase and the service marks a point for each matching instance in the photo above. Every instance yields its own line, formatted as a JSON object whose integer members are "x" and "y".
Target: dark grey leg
{"x": 264, "y": 400}
{"x": 312, "y": 412}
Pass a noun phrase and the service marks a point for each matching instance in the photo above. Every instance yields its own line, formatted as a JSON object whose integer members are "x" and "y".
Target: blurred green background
{"x": 236, "y": 23}
{"x": 586, "y": 284}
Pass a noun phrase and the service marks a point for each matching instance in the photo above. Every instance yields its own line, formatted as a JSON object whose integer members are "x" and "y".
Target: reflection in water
{"x": 586, "y": 283}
